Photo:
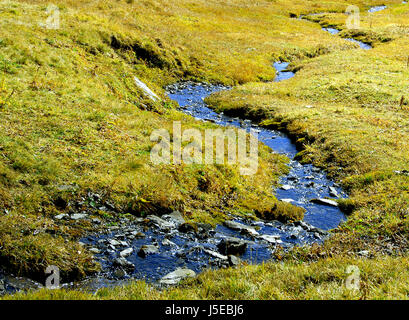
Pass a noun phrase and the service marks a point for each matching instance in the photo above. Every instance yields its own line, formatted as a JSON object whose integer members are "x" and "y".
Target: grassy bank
{"x": 74, "y": 123}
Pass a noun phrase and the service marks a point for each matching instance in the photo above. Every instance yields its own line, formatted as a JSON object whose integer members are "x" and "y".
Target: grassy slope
{"x": 357, "y": 130}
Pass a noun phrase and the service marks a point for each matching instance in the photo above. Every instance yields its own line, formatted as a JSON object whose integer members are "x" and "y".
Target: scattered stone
{"x": 94, "y": 250}
{"x": 138, "y": 235}
{"x": 159, "y": 222}
{"x": 96, "y": 221}
{"x": 168, "y": 243}
{"x": 286, "y": 187}
{"x": 123, "y": 263}
{"x": 233, "y": 261}
{"x": 325, "y": 202}
{"x": 114, "y": 243}
{"x": 333, "y": 192}
{"x": 61, "y": 216}
{"x": 232, "y": 246}
{"x": 79, "y": 216}
{"x": 176, "y": 276}
{"x": 215, "y": 254}
{"x": 147, "y": 249}
{"x": 125, "y": 253}
{"x": 175, "y": 216}
{"x": 241, "y": 227}
{"x": 364, "y": 253}
{"x": 271, "y": 239}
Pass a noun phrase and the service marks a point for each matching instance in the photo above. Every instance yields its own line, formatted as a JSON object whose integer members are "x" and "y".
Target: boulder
{"x": 159, "y": 222}
{"x": 126, "y": 252}
{"x": 147, "y": 249}
{"x": 232, "y": 246}
{"x": 176, "y": 276}
{"x": 123, "y": 263}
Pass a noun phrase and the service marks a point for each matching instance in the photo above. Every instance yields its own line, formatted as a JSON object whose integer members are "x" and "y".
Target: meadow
{"x": 74, "y": 123}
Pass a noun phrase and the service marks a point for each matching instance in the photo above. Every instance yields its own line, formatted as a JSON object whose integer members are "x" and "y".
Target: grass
{"x": 72, "y": 116}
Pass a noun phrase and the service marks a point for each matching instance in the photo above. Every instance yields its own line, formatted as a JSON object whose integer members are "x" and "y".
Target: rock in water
{"x": 241, "y": 227}
{"x": 160, "y": 223}
{"x": 232, "y": 246}
{"x": 146, "y": 250}
{"x": 126, "y": 252}
{"x": 333, "y": 192}
{"x": 123, "y": 263}
{"x": 326, "y": 202}
{"x": 176, "y": 276}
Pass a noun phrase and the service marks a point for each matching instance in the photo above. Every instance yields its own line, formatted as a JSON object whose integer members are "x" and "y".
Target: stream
{"x": 163, "y": 250}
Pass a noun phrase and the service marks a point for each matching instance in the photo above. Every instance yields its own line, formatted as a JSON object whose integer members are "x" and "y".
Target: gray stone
{"x": 61, "y": 216}
{"x": 232, "y": 246}
{"x": 160, "y": 223}
{"x": 215, "y": 254}
{"x": 271, "y": 238}
{"x": 126, "y": 252}
{"x": 176, "y": 276}
{"x": 326, "y": 202}
{"x": 241, "y": 227}
{"x": 146, "y": 250}
{"x": 123, "y": 263}
{"x": 168, "y": 243}
{"x": 79, "y": 216}
{"x": 233, "y": 261}
{"x": 176, "y": 217}
{"x": 333, "y": 192}
{"x": 94, "y": 250}
{"x": 114, "y": 242}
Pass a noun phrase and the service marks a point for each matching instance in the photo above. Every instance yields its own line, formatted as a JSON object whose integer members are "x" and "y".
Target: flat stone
{"x": 286, "y": 187}
{"x": 61, "y": 216}
{"x": 325, "y": 202}
{"x": 241, "y": 227}
{"x": 95, "y": 250}
{"x": 333, "y": 192}
{"x": 78, "y": 216}
{"x": 114, "y": 242}
{"x": 287, "y": 200}
{"x": 176, "y": 276}
{"x": 215, "y": 254}
{"x": 125, "y": 253}
{"x": 271, "y": 238}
